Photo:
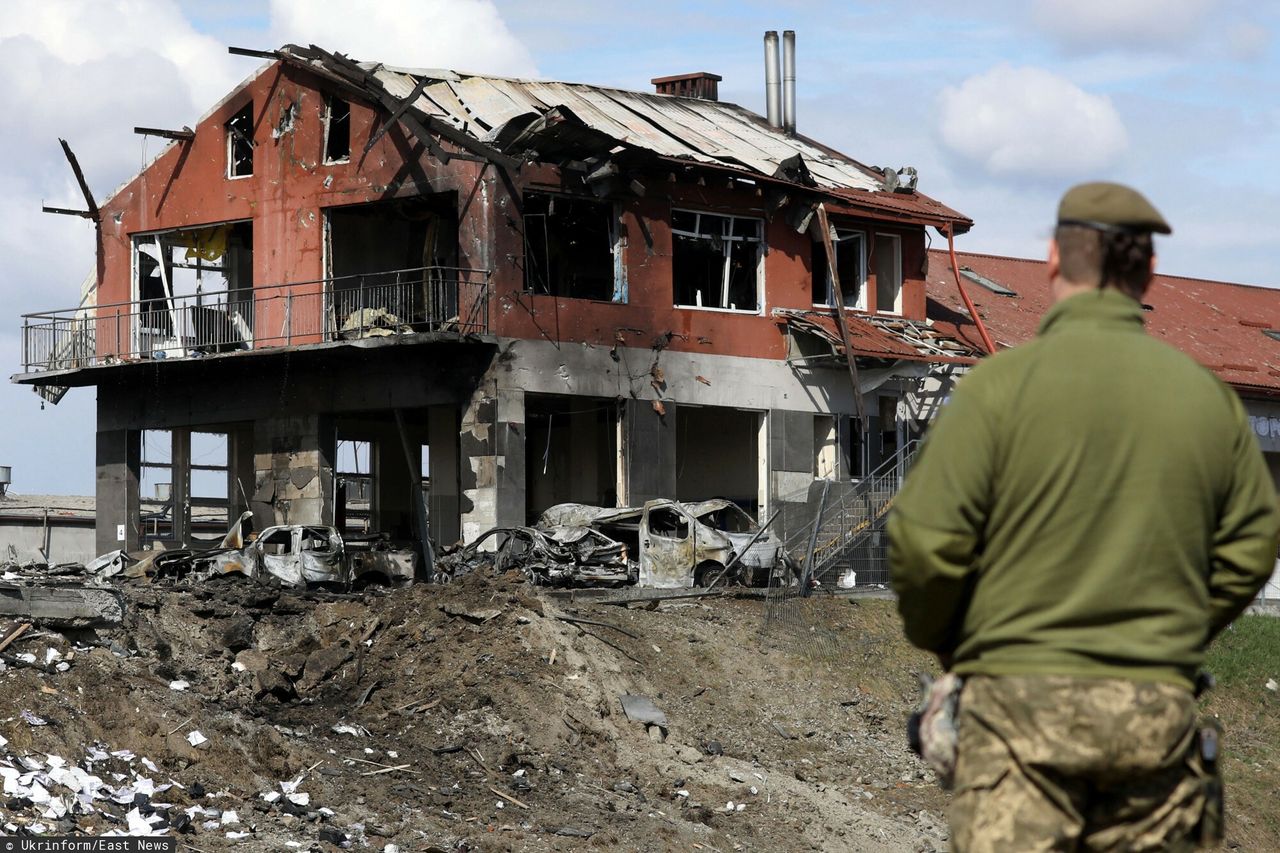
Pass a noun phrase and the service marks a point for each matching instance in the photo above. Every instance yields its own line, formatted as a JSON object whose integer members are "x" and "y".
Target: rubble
{"x": 462, "y": 716}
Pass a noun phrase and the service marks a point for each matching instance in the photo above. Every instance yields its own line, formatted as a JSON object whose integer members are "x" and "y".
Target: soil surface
{"x": 481, "y": 715}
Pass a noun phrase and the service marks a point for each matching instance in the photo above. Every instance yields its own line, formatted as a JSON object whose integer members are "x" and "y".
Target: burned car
{"x": 683, "y": 544}
{"x": 562, "y": 555}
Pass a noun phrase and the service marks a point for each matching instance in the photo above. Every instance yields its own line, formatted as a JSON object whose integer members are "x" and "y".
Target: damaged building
{"x": 422, "y": 303}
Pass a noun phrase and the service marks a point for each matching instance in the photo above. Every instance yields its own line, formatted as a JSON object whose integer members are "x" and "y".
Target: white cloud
{"x": 467, "y": 35}
{"x": 87, "y": 72}
{"x": 1028, "y": 122}
{"x": 1090, "y": 25}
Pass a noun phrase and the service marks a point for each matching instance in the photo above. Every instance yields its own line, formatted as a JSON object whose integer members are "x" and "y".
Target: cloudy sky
{"x": 999, "y": 103}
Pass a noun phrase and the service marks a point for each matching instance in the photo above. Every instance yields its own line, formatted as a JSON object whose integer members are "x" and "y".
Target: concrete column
{"x": 119, "y": 458}
{"x": 491, "y": 444}
{"x": 648, "y": 449}
{"x": 180, "y": 485}
{"x": 240, "y": 471}
{"x": 293, "y": 470}
{"x": 444, "y": 509}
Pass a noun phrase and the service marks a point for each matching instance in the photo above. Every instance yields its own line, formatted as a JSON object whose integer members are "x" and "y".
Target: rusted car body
{"x": 306, "y": 554}
{"x": 682, "y": 544}
{"x": 556, "y": 556}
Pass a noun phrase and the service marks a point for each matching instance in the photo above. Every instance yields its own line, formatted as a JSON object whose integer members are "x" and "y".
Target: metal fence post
{"x": 813, "y": 540}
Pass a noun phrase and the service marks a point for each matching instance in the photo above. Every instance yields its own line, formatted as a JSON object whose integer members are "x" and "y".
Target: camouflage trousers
{"x": 1068, "y": 763}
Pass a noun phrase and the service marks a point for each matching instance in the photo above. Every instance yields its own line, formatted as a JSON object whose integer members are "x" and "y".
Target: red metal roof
{"x": 1217, "y": 323}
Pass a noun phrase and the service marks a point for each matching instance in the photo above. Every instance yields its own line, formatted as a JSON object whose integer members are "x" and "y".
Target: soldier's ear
{"x": 1055, "y": 263}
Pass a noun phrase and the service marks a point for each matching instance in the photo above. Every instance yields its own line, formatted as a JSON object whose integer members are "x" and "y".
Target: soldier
{"x": 1088, "y": 512}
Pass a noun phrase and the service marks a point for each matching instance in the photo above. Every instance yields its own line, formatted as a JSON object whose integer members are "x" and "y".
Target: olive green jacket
{"x": 1090, "y": 503}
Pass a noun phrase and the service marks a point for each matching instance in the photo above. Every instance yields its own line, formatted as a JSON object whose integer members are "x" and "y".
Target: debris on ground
{"x": 482, "y": 714}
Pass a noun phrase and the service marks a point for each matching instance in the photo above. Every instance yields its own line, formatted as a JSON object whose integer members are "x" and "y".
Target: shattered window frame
{"x": 240, "y": 144}
{"x": 856, "y": 301}
{"x": 731, "y": 231}
{"x": 544, "y": 285}
{"x": 209, "y": 272}
{"x": 340, "y": 119}
{"x": 896, "y": 258}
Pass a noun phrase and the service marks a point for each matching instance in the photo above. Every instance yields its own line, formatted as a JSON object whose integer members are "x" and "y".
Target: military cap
{"x": 1110, "y": 207}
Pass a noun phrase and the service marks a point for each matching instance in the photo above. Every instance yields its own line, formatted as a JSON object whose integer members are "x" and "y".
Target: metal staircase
{"x": 847, "y": 545}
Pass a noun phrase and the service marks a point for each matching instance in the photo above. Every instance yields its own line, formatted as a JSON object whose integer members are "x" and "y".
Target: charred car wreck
{"x": 664, "y": 544}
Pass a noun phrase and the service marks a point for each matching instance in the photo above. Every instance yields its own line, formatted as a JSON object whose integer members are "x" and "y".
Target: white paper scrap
{"x": 195, "y": 738}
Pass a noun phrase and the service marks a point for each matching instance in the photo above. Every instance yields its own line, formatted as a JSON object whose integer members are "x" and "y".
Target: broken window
{"x": 853, "y": 446}
{"x": 278, "y": 543}
{"x": 194, "y": 289}
{"x": 393, "y": 266}
{"x": 572, "y": 248}
{"x": 668, "y": 523}
{"x": 888, "y": 261}
{"x": 337, "y": 130}
{"x": 851, "y": 262}
{"x": 353, "y": 503}
{"x": 210, "y": 483}
{"x": 155, "y": 486}
{"x": 716, "y": 260}
{"x": 240, "y": 143}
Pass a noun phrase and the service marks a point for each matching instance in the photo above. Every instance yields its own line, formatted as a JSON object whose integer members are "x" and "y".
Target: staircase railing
{"x": 844, "y": 544}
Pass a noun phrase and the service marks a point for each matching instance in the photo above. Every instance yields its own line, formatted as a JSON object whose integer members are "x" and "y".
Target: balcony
{"x": 409, "y": 301}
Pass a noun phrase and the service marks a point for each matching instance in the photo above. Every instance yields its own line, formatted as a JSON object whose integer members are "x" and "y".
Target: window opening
{"x": 240, "y": 143}
{"x": 888, "y": 260}
{"x": 850, "y": 248}
{"x": 668, "y": 524}
{"x": 337, "y": 130}
{"x": 210, "y": 483}
{"x": 853, "y": 447}
{"x": 194, "y": 288}
{"x": 353, "y": 503}
{"x": 729, "y": 519}
{"x": 716, "y": 260}
{"x": 279, "y": 543}
{"x": 572, "y": 248}
{"x": 155, "y": 486}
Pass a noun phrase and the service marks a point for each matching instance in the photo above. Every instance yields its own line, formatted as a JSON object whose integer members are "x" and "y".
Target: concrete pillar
{"x": 240, "y": 470}
{"x": 444, "y": 509}
{"x": 119, "y": 458}
{"x": 293, "y": 470}
{"x": 180, "y": 485}
{"x": 648, "y": 453}
{"x": 491, "y": 444}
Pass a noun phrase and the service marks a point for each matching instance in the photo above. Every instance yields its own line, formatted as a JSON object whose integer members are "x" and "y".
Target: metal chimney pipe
{"x": 772, "y": 80}
{"x": 789, "y": 81}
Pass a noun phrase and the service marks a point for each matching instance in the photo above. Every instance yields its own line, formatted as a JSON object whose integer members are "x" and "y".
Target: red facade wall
{"x": 290, "y": 187}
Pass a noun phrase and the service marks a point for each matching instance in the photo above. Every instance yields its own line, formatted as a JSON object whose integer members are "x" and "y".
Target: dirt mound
{"x": 481, "y": 715}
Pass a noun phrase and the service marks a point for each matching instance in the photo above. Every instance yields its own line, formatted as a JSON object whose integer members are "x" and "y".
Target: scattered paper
{"x": 179, "y": 685}
{"x": 195, "y": 738}
{"x": 32, "y": 720}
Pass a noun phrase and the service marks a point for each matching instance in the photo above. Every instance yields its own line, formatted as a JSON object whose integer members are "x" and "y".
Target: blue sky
{"x": 1001, "y": 105}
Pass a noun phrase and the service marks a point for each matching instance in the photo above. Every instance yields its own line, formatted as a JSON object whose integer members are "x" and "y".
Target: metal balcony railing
{"x": 424, "y": 299}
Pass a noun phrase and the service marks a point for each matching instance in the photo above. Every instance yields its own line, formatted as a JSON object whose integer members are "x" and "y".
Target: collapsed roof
{"x": 509, "y": 121}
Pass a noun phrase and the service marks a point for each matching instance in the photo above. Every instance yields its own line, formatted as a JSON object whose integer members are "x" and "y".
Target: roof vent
{"x": 699, "y": 84}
